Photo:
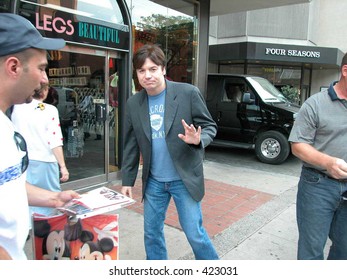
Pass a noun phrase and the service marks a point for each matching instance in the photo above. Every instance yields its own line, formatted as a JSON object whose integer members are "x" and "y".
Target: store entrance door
{"x": 80, "y": 77}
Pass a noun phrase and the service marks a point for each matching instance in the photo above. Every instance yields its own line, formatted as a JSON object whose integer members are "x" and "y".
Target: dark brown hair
{"x": 38, "y": 94}
{"x": 153, "y": 52}
{"x": 344, "y": 60}
{"x": 52, "y": 97}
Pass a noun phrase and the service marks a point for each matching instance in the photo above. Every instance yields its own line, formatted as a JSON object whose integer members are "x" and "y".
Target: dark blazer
{"x": 183, "y": 101}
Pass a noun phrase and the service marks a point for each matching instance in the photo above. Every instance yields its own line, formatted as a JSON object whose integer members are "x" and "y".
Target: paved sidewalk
{"x": 249, "y": 215}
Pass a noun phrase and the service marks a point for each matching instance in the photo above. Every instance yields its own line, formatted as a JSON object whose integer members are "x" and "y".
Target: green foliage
{"x": 158, "y": 21}
{"x": 291, "y": 93}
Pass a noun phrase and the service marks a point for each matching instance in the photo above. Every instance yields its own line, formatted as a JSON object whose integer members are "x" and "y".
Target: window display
{"x": 78, "y": 80}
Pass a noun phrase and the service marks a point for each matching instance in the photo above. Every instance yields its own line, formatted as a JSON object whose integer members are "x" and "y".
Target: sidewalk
{"x": 249, "y": 215}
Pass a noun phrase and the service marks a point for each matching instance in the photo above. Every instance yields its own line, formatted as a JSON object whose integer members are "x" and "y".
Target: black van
{"x": 251, "y": 113}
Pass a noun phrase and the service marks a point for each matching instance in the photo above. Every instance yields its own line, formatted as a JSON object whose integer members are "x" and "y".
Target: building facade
{"x": 296, "y": 46}
{"x": 93, "y": 76}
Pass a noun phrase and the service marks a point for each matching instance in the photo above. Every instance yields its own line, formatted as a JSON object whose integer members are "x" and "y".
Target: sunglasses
{"x": 344, "y": 195}
{"x": 21, "y": 145}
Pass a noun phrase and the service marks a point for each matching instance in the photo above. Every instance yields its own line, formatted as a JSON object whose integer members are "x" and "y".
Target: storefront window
{"x": 77, "y": 79}
{"x": 284, "y": 78}
{"x": 277, "y": 75}
{"x": 173, "y": 28}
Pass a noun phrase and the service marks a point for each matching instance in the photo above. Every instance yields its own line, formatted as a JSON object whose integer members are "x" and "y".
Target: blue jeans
{"x": 321, "y": 213}
{"x": 156, "y": 202}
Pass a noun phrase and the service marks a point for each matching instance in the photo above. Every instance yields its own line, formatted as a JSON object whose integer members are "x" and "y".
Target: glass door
{"x": 113, "y": 114}
{"x": 79, "y": 81}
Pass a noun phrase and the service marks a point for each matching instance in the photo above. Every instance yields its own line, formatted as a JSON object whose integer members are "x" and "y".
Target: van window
{"x": 266, "y": 90}
{"x": 232, "y": 93}
{"x": 233, "y": 90}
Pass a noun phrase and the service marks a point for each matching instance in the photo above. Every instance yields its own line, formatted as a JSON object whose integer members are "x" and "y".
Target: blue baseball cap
{"x": 18, "y": 34}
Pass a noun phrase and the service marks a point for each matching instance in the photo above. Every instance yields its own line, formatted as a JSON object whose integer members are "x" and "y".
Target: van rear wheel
{"x": 272, "y": 147}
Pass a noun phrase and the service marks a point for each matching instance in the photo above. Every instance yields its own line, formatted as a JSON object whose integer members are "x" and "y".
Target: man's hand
{"x": 45, "y": 198}
{"x": 127, "y": 191}
{"x": 191, "y": 134}
{"x": 65, "y": 196}
{"x": 337, "y": 168}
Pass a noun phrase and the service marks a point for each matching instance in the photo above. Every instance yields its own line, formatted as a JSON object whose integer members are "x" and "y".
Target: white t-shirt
{"x": 14, "y": 210}
{"x": 39, "y": 124}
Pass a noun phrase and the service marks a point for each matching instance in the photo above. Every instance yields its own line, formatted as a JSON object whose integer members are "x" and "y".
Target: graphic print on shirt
{"x": 157, "y": 120}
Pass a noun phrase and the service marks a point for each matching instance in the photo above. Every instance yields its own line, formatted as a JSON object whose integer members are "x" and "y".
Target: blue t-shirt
{"x": 162, "y": 166}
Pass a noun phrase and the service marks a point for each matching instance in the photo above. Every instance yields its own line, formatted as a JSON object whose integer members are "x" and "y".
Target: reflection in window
{"x": 173, "y": 28}
{"x": 105, "y": 10}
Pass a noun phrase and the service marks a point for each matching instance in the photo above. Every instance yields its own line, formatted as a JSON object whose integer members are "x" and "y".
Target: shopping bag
{"x": 64, "y": 238}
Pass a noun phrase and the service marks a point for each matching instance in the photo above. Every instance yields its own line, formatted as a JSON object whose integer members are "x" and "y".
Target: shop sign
{"x": 97, "y": 32}
{"x": 67, "y": 26}
{"x": 292, "y": 53}
{"x": 272, "y": 69}
{"x": 56, "y": 25}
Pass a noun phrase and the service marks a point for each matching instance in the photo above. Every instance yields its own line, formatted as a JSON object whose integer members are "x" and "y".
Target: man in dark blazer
{"x": 170, "y": 125}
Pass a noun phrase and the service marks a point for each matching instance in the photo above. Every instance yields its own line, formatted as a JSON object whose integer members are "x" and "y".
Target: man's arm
{"x": 44, "y": 198}
{"x": 337, "y": 168}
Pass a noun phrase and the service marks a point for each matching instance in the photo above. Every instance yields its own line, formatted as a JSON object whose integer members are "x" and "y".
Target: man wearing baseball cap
{"x": 23, "y": 61}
